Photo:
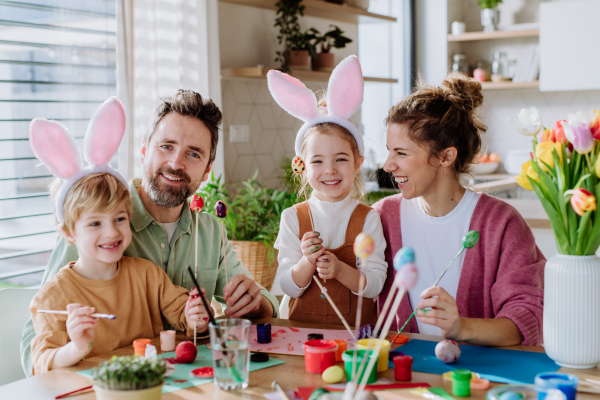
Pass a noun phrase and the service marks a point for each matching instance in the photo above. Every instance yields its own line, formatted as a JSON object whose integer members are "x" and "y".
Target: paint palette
{"x": 290, "y": 340}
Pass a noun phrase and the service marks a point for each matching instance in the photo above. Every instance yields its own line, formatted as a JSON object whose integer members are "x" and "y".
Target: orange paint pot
{"x": 401, "y": 339}
{"x": 342, "y": 346}
{"x": 139, "y": 346}
{"x": 480, "y": 384}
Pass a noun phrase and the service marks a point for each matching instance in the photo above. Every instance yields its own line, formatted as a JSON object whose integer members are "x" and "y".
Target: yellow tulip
{"x": 583, "y": 201}
{"x": 522, "y": 178}
{"x": 543, "y": 152}
{"x": 597, "y": 167}
{"x": 532, "y": 174}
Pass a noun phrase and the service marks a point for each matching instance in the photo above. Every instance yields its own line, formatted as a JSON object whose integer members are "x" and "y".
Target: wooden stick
{"x": 312, "y": 224}
{"x": 224, "y": 254}
{"x": 73, "y": 392}
{"x": 196, "y": 268}
{"x": 281, "y": 392}
{"x": 361, "y": 288}
{"x": 384, "y": 332}
{"x": 95, "y": 315}
{"x": 337, "y": 311}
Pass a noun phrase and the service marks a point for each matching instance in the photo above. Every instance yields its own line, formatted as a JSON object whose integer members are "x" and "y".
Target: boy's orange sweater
{"x": 140, "y": 295}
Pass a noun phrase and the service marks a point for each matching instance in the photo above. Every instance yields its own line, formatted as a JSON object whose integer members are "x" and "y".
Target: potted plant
{"x": 490, "y": 15}
{"x": 252, "y": 222}
{"x": 301, "y": 48}
{"x": 287, "y": 20}
{"x": 129, "y": 378}
{"x": 564, "y": 173}
{"x": 324, "y": 60}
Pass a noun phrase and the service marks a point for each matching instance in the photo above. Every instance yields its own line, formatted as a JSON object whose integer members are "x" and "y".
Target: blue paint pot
{"x": 566, "y": 383}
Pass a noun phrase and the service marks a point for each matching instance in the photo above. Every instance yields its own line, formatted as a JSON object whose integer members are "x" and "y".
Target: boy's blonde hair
{"x": 329, "y": 128}
{"x": 100, "y": 192}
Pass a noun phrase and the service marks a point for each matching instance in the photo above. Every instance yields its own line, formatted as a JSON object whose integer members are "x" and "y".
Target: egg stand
{"x": 468, "y": 241}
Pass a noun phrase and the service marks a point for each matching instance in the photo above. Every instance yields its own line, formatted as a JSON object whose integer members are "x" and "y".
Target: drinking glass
{"x": 229, "y": 340}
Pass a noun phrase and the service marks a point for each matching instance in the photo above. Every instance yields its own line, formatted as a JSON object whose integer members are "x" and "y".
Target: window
{"x": 57, "y": 61}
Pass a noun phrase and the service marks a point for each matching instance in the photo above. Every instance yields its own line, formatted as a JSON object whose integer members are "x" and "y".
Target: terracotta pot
{"x": 298, "y": 59}
{"x": 324, "y": 62}
{"x": 154, "y": 393}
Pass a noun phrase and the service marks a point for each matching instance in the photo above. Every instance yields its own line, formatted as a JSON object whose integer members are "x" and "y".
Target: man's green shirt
{"x": 149, "y": 241}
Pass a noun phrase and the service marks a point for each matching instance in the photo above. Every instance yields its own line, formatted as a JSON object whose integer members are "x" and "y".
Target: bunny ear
{"x": 105, "y": 132}
{"x": 293, "y": 96}
{"x": 55, "y": 147}
{"x": 345, "y": 89}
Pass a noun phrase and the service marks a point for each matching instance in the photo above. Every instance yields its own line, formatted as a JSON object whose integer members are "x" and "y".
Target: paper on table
{"x": 181, "y": 378}
{"x": 275, "y": 395}
{"x": 290, "y": 340}
{"x": 497, "y": 365}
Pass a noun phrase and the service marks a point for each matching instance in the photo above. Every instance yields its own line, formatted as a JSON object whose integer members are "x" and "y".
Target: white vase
{"x": 572, "y": 310}
{"x": 489, "y": 19}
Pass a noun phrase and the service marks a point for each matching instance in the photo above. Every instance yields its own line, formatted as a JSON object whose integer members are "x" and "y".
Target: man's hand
{"x": 81, "y": 327}
{"x": 443, "y": 313}
{"x": 195, "y": 313}
{"x": 242, "y": 296}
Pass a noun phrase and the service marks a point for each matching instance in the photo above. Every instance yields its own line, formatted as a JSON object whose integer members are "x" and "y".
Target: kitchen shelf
{"x": 321, "y": 9}
{"x": 510, "y": 85}
{"x": 472, "y": 36}
{"x": 305, "y": 76}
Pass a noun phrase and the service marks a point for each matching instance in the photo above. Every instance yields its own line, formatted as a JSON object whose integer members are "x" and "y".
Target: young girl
{"x": 493, "y": 294}
{"x": 332, "y": 150}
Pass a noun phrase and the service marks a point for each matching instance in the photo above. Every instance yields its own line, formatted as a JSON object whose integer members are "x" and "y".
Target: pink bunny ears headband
{"x": 344, "y": 97}
{"x": 54, "y": 146}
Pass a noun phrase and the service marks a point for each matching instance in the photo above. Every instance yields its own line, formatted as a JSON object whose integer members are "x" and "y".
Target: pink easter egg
{"x": 447, "y": 351}
{"x": 364, "y": 245}
{"x": 407, "y": 276}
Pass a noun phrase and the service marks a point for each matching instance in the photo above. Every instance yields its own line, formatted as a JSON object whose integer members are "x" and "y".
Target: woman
{"x": 493, "y": 293}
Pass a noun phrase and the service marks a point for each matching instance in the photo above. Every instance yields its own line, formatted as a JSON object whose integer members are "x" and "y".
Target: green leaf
{"x": 582, "y": 232}
{"x": 560, "y": 233}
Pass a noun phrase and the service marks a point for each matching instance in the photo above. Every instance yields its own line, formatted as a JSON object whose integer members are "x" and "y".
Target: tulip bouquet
{"x": 564, "y": 172}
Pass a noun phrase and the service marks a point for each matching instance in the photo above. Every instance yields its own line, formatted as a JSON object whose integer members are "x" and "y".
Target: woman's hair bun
{"x": 463, "y": 92}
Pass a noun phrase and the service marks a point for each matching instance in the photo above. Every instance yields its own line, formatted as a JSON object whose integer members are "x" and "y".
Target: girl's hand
{"x": 81, "y": 328}
{"x": 328, "y": 266}
{"x": 444, "y": 312}
{"x": 312, "y": 247}
{"x": 195, "y": 313}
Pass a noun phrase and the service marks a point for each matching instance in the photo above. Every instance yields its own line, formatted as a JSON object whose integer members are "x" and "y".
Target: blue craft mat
{"x": 497, "y": 365}
{"x": 182, "y": 371}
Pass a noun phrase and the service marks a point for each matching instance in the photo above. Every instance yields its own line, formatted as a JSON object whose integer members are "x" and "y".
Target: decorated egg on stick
{"x": 470, "y": 239}
{"x": 298, "y": 165}
{"x": 403, "y": 256}
{"x": 221, "y": 209}
{"x": 197, "y": 203}
{"x": 364, "y": 246}
{"x": 447, "y": 351}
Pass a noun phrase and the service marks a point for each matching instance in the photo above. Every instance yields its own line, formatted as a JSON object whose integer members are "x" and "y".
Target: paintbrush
{"x": 228, "y": 363}
{"x": 95, "y": 315}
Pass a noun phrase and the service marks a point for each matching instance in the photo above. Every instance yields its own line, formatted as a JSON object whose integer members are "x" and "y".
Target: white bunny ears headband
{"x": 344, "y": 97}
{"x": 54, "y": 146}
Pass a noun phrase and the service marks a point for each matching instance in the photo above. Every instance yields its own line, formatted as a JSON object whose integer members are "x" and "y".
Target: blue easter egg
{"x": 403, "y": 256}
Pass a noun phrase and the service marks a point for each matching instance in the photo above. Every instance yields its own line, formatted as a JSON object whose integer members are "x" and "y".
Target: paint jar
{"x": 566, "y": 383}
{"x": 461, "y": 382}
{"x": 319, "y": 355}
{"x": 394, "y": 353}
{"x": 403, "y": 368}
{"x": 342, "y": 346}
{"x": 167, "y": 340}
{"x": 139, "y": 346}
{"x": 348, "y": 356}
{"x": 263, "y": 333}
{"x": 383, "y": 352}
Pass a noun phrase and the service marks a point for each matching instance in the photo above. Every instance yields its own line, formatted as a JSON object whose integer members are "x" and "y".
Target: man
{"x": 177, "y": 156}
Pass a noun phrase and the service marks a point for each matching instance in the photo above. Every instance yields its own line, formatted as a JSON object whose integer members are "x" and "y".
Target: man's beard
{"x": 168, "y": 196}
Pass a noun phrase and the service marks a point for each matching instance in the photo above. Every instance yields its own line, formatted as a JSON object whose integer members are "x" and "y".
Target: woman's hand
{"x": 328, "y": 266}
{"x": 443, "y": 313}
{"x": 312, "y": 247}
{"x": 195, "y": 313}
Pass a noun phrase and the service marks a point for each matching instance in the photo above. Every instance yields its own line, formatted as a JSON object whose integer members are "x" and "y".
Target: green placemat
{"x": 441, "y": 392}
{"x": 182, "y": 379}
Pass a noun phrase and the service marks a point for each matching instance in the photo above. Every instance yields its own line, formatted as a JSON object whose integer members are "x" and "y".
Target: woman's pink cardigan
{"x": 502, "y": 276}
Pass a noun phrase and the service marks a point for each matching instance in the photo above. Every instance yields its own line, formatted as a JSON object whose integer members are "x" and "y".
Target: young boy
{"x": 97, "y": 210}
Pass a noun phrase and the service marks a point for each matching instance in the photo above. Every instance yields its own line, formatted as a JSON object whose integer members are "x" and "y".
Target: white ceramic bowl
{"x": 484, "y": 168}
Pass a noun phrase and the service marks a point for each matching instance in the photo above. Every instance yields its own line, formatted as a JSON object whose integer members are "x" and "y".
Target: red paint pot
{"x": 403, "y": 368}
{"x": 319, "y": 355}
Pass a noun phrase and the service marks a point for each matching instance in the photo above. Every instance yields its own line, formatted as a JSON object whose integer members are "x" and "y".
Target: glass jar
{"x": 460, "y": 64}
{"x": 500, "y": 66}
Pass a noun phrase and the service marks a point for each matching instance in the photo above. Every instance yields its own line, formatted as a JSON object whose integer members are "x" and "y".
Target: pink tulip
{"x": 595, "y": 125}
{"x": 582, "y": 201}
{"x": 580, "y": 136}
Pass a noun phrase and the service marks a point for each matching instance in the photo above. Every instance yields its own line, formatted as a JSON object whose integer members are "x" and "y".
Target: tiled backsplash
{"x": 272, "y": 130}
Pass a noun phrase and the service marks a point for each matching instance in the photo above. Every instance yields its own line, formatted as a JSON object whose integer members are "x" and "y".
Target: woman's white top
{"x": 436, "y": 241}
{"x": 330, "y": 220}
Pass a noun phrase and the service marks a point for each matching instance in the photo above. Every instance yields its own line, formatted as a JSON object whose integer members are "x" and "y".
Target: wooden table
{"x": 289, "y": 375}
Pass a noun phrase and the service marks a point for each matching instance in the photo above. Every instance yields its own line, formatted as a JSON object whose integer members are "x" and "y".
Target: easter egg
{"x": 333, "y": 374}
{"x": 403, "y": 256}
{"x": 197, "y": 203}
{"x": 364, "y": 245}
{"x": 447, "y": 351}
{"x": 470, "y": 239}
{"x": 407, "y": 276}
{"x": 221, "y": 209}
{"x": 298, "y": 165}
